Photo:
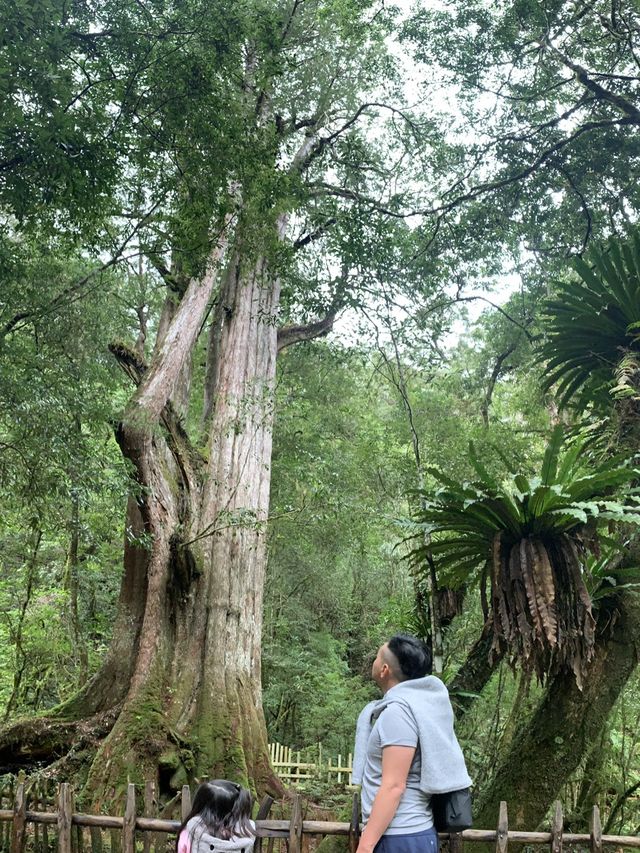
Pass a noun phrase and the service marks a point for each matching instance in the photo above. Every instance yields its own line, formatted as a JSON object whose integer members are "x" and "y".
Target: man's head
{"x": 403, "y": 657}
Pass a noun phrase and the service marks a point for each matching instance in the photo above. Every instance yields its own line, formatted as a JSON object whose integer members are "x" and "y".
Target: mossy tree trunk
{"x": 567, "y": 723}
{"x": 193, "y": 702}
{"x": 179, "y": 694}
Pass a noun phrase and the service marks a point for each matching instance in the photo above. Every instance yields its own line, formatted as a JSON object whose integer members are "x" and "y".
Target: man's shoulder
{"x": 397, "y": 712}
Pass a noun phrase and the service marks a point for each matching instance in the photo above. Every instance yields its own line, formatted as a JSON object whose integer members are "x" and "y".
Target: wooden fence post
{"x": 44, "y": 804}
{"x": 263, "y": 810}
{"x": 354, "y": 826}
{"x": 502, "y": 834}
{"x": 79, "y": 837}
{"x": 595, "y": 831}
{"x": 185, "y": 802}
{"x": 456, "y": 844}
{"x": 34, "y": 797}
{"x": 556, "y": 829}
{"x": 5, "y": 828}
{"x": 129, "y": 823}
{"x": 65, "y": 812}
{"x": 295, "y": 825}
{"x": 149, "y": 811}
{"x": 19, "y": 820}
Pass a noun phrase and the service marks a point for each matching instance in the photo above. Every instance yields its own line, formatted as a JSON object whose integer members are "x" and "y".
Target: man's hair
{"x": 413, "y": 656}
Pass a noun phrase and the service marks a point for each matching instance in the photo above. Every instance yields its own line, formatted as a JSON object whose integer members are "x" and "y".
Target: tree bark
{"x": 144, "y": 679}
{"x": 193, "y": 705}
{"x": 475, "y": 673}
{"x": 16, "y": 630}
{"x": 549, "y": 747}
{"x": 71, "y": 581}
{"x": 180, "y": 689}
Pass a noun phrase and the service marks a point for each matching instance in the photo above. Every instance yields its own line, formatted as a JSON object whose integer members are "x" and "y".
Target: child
{"x": 219, "y": 821}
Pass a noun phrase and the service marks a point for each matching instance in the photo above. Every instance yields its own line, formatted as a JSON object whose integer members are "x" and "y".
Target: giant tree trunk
{"x": 193, "y": 705}
{"x": 568, "y": 722}
{"x": 179, "y": 693}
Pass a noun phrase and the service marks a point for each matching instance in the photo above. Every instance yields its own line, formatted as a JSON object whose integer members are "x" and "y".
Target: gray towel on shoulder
{"x": 441, "y": 760}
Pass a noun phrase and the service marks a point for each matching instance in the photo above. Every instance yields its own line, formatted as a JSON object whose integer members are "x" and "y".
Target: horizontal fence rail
{"x": 292, "y": 767}
{"x": 69, "y": 825}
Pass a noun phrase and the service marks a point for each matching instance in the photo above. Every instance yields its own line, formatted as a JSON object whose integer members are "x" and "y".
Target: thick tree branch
{"x": 158, "y": 384}
{"x": 289, "y": 335}
{"x": 623, "y": 104}
{"x": 135, "y": 367}
{"x": 173, "y": 282}
{"x": 314, "y": 235}
{"x": 131, "y": 362}
{"x": 495, "y": 373}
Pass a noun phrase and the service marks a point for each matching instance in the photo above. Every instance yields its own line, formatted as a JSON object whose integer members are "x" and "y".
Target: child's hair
{"x": 224, "y": 808}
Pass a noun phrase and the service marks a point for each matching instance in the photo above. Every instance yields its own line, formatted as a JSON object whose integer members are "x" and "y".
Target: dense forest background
{"x": 433, "y": 212}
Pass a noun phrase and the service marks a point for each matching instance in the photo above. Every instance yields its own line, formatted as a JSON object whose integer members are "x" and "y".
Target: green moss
{"x": 333, "y": 844}
{"x": 169, "y": 760}
{"x": 221, "y": 751}
{"x": 130, "y": 753}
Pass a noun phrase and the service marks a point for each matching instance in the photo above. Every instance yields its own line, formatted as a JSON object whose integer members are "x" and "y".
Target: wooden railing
{"x": 292, "y": 767}
{"x": 70, "y": 825}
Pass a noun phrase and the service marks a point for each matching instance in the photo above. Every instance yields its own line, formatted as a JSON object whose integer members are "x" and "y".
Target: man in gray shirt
{"x": 405, "y": 750}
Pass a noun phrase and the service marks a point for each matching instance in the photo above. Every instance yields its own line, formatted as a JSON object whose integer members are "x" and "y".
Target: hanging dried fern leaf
{"x": 545, "y": 591}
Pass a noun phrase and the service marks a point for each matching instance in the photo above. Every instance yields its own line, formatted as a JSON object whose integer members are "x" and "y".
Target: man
{"x": 405, "y": 751}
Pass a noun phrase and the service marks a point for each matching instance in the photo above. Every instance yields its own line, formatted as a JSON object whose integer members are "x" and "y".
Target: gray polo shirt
{"x": 396, "y": 727}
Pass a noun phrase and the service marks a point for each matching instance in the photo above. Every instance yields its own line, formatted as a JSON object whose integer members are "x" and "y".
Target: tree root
{"x": 34, "y": 743}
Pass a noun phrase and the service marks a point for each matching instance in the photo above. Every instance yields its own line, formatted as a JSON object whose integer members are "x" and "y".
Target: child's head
{"x": 224, "y": 807}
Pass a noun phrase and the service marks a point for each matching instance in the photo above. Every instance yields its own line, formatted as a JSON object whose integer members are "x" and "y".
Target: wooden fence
{"x": 132, "y": 833}
{"x": 293, "y": 768}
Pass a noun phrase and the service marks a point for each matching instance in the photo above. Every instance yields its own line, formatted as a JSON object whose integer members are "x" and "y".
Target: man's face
{"x": 380, "y": 667}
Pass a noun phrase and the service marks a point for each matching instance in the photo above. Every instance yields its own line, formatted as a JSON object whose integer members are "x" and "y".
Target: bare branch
{"x": 289, "y": 335}
{"x": 625, "y": 106}
{"x": 324, "y": 141}
{"x": 495, "y": 373}
{"x": 314, "y": 235}
{"x": 158, "y": 384}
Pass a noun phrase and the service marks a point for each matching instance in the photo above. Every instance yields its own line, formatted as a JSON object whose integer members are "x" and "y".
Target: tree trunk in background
{"x": 31, "y": 561}
{"x": 566, "y": 724}
{"x": 475, "y": 673}
{"x": 71, "y": 583}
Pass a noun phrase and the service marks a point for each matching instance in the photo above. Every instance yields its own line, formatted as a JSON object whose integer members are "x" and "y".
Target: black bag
{"x": 452, "y": 810}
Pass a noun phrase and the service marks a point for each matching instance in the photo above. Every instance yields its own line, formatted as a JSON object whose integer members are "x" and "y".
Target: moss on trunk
{"x": 547, "y": 749}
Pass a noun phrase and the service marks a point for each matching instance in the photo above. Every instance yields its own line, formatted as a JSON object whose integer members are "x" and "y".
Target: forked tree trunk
{"x": 193, "y": 705}
{"x": 179, "y": 692}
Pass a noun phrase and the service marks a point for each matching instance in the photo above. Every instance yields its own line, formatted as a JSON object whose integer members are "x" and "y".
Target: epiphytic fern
{"x": 531, "y": 536}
